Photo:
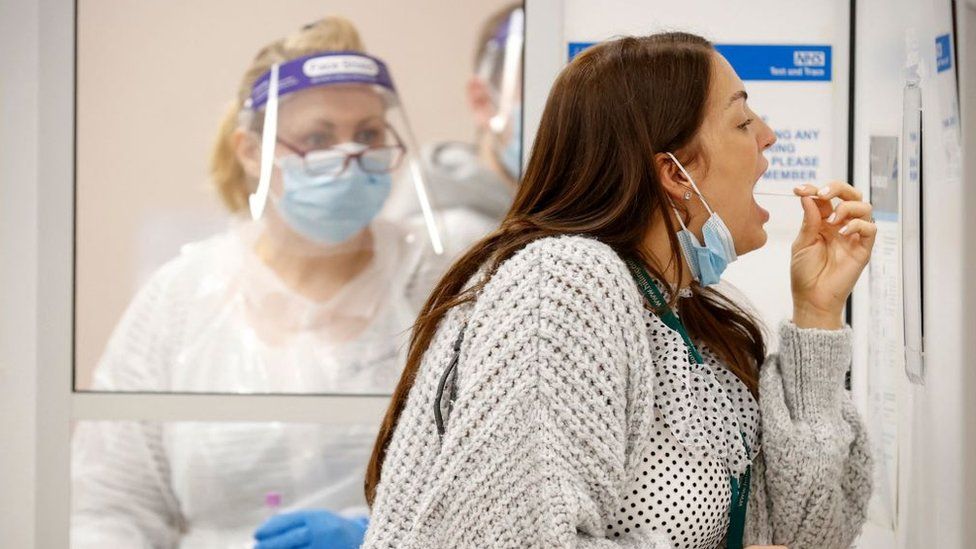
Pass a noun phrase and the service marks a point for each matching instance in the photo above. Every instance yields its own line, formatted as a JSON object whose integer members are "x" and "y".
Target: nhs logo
{"x": 809, "y": 58}
{"x": 788, "y": 62}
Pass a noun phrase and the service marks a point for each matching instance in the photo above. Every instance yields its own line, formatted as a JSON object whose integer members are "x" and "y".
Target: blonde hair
{"x": 328, "y": 34}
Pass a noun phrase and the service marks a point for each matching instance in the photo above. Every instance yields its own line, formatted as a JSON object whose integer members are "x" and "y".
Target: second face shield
{"x": 500, "y": 66}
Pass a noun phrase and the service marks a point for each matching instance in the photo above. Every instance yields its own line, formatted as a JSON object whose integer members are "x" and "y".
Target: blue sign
{"x": 576, "y": 47}
{"x": 943, "y": 52}
{"x": 767, "y": 61}
{"x": 779, "y": 62}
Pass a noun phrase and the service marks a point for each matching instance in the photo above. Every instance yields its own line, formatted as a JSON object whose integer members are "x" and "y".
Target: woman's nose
{"x": 766, "y": 137}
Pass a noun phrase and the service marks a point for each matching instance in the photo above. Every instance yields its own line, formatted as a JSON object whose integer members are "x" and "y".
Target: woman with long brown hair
{"x": 575, "y": 381}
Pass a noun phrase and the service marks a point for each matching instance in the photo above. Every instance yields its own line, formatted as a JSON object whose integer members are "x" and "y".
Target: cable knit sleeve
{"x": 538, "y": 440}
{"x": 812, "y": 482}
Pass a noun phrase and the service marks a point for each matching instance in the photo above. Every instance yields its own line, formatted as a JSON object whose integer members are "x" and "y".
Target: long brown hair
{"x": 591, "y": 173}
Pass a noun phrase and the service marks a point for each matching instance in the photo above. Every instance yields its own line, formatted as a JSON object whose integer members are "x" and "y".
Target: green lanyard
{"x": 739, "y": 486}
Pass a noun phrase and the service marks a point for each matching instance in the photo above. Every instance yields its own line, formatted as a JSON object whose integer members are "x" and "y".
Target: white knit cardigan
{"x": 554, "y": 398}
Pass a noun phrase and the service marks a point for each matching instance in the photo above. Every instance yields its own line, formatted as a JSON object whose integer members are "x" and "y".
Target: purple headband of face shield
{"x": 346, "y": 67}
{"x": 501, "y": 33}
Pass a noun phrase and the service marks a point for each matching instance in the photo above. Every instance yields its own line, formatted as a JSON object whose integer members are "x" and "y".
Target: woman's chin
{"x": 757, "y": 239}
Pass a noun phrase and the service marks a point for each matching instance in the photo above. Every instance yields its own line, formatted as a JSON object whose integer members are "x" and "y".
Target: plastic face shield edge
{"x": 501, "y": 66}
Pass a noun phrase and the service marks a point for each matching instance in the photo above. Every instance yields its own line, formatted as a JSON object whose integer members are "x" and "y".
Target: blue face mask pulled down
{"x": 511, "y": 155}
{"x": 707, "y": 262}
{"x": 330, "y": 209}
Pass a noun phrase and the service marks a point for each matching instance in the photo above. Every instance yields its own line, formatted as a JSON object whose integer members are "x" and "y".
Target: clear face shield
{"x": 336, "y": 151}
{"x": 500, "y": 67}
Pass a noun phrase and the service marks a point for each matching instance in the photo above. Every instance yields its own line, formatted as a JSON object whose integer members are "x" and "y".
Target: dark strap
{"x": 661, "y": 308}
{"x": 438, "y": 418}
{"x": 737, "y": 507}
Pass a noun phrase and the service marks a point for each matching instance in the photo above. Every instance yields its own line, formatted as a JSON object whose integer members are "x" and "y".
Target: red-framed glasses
{"x": 333, "y": 161}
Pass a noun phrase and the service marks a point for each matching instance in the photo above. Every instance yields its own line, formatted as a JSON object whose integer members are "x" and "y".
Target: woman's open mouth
{"x": 763, "y": 213}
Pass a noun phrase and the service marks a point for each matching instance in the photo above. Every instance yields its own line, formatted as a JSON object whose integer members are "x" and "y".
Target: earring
{"x": 687, "y": 195}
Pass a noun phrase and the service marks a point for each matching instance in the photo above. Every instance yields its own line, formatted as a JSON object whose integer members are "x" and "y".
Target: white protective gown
{"x": 215, "y": 319}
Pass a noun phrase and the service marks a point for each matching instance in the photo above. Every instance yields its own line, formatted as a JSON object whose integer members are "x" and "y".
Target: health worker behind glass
{"x": 309, "y": 291}
{"x": 575, "y": 380}
{"x": 475, "y": 182}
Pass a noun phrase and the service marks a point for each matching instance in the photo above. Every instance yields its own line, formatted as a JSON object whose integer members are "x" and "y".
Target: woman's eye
{"x": 318, "y": 141}
{"x": 371, "y": 137}
{"x": 745, "y": 124}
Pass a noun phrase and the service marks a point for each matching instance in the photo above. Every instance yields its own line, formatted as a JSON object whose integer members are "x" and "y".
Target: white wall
{"x": 966, "y": 22}
{"x": 935, "y": 436}
{"x": 18, "y": 267}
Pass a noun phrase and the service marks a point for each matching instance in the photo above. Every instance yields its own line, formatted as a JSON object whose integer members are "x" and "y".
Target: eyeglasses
{"x": 333, "y": 161}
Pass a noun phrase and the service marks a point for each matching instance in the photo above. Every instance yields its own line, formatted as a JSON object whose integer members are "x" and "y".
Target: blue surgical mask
{"x": 707, "y": 262}
{"x": 331, "y": 208}
{"x": 511, "y": 155}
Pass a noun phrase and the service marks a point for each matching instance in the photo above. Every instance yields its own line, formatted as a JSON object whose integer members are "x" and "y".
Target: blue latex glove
{"x": 311, "y": 529}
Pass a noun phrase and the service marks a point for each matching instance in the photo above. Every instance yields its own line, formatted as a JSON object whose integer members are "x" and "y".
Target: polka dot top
{"x": 682, "y": 486}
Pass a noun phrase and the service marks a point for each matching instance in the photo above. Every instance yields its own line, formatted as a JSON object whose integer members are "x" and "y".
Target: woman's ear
{"x": 247, "y": 147}
{"x": 672, "y": 179}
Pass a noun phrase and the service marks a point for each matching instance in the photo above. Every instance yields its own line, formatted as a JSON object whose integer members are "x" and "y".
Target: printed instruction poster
{"x": 886, "y": 358}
